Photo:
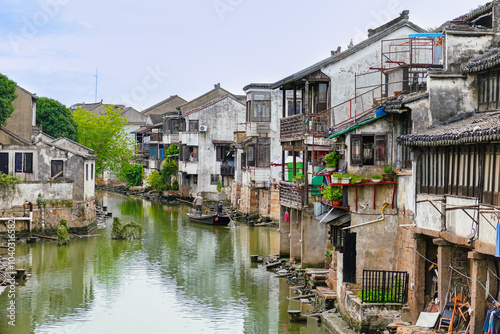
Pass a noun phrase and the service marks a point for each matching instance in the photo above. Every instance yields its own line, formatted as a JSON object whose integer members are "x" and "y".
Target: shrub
{"x": 332, "y": 159}
{"x": 131, "y": 173}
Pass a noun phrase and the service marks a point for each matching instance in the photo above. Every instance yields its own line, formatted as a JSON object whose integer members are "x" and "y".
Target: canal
{"x": 180, "y": 278}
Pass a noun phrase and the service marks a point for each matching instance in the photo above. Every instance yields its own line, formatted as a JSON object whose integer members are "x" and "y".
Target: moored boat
{"x": 209, "y": 218}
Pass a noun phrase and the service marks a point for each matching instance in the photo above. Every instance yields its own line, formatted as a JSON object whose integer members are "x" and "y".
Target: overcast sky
{"x": 147, "y": 50}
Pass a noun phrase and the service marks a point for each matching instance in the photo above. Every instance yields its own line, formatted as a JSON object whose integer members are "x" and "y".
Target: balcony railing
{"x": 292, "y": 128}
{"x": 226, "y": 170}
{"x": 291, "y": 195}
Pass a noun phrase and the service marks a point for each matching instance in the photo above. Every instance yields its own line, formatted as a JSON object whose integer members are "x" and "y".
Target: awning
{"x": 336, "y": 217}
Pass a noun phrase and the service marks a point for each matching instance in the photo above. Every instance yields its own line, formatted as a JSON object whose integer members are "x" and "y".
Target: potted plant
{"x": 336, "y": 195}
{"x": 389, "y": 174}
{"x": 337, "y": 178}
{"x": 356, "y": 179}
{"x": 332, "y": 160}
{"x": 376, "y": 178}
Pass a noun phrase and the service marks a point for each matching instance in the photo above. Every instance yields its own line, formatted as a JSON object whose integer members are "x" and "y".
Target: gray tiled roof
{"x": 469, "y": 128}
{"x": 483, "y": 62}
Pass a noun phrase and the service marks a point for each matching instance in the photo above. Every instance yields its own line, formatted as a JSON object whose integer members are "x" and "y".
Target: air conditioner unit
{"x": 203, "y": 128}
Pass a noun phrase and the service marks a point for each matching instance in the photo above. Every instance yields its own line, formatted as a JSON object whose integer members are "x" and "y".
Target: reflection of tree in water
{"x": 131, "y": 207}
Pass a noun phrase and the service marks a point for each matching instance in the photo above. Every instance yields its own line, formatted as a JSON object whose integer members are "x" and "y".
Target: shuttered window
{"x": 368, "y": 150}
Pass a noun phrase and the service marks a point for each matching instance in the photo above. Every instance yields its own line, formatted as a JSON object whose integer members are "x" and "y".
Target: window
{"x": 24, "y": 162}
{"x": 488, "y": 90}
{"x": 91, "y": 171}
{"x": 259, "y": 107}
{"x": 193, "y": 126}
{"x": 337, "y": 238}
{"x": 223, "y": 153}
{"x": 368, "y": 150}
{"x": 298, "y": 107}
{"x": 467, "y": 170}
{"x": 87, "y": 172}
{"x": 56, "y": 168}
{"x": 195, "y": 179}
{"x": 4, "y": 163}
{"x": 259, "y": 155}
{"x": 214, "y": 178}
{"x": 243, "y": 161}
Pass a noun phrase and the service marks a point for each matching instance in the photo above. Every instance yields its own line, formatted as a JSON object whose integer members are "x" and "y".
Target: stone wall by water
{"x": 81, "y": 216}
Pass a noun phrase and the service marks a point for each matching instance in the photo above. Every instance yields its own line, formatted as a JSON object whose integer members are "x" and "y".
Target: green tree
{"x": 106, "y": 135}
{"x": 56, "y": 120}
{"x": 7, "y": 96}
{"x": 172, "y": 152}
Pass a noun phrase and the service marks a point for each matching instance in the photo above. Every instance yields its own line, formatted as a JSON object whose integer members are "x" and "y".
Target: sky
{"x": 145, "y": 51}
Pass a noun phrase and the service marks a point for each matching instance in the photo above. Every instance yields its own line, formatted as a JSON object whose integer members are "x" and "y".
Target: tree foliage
{"x": 172, "y": 152}
{"x": 56, "y": 120}
{"x": 131, "y": 173}
{"x": 7, "y": 96}
{"x": 106, "y": 135}
{"x": 161, "y": 181}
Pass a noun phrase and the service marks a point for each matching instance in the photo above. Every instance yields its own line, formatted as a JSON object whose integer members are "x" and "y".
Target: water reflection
{"x": 180, "y": 278}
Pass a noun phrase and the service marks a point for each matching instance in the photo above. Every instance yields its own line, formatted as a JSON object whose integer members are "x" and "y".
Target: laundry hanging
{"x": 287, "y": 217}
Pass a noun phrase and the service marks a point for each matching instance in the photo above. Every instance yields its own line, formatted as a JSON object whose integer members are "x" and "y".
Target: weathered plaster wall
{"x": 342, "y": 76}
{"x": 28, "y": 191}
{"x": 313, "y": 241}
{"x": 284, "y": 231}
{"x": 295, "y": 234}
{"x": 461, "y": 48}
{"x": 73, "y": 167}
{"x": 426, "y": 216}
{"x": 450, "y": 96}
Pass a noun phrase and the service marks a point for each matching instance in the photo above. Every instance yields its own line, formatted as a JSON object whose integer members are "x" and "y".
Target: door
{"x": 350, "y": 258}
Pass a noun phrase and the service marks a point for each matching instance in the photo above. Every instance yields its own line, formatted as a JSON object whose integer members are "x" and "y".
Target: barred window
{"x": 214, "y": 178}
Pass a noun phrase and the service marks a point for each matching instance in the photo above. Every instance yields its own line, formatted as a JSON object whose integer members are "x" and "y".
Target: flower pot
{"x": 336, "y": 180}
{"x": 376, "y": 180}
{"x": 345, "y": 180}
{"x": 388, "y": 177}
{"x": 336, "y": 203}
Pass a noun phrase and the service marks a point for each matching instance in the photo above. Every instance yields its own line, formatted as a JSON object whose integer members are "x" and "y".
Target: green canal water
{"x": 180, "y": 278}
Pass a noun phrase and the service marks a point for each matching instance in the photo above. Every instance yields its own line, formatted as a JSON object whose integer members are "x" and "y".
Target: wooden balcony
{"x": 292, "y": 128}
{"x": 291, "y": 195}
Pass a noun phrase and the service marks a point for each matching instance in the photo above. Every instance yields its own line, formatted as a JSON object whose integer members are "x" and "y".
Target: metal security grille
{"x": 381, "y": 286}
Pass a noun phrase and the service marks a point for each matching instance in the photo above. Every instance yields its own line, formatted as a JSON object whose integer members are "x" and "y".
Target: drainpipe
{"x": 380, "y": 218}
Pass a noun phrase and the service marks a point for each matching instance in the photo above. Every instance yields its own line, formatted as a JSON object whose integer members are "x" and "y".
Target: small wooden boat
{"x": 209, "y": 218}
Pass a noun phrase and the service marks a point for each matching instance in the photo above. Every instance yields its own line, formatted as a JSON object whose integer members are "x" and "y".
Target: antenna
{"x": 96, "y": 76}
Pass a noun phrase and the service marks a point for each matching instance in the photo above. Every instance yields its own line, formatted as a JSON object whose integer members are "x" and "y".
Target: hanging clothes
{"x": 492, "y": 322}
{"x": 287, "y": 217}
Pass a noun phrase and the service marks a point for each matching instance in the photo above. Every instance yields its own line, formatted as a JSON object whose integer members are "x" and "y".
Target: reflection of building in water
{"x": 61, "y": 283}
